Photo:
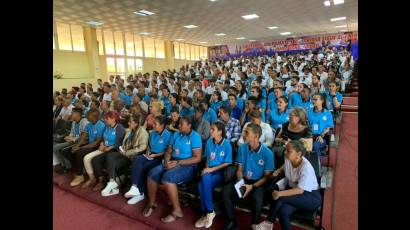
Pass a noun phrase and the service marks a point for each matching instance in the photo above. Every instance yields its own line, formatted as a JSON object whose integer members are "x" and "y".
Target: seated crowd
{"x": 255, "y": 117}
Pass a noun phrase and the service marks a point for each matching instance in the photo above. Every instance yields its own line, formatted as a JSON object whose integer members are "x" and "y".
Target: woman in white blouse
{"x": 300, "y": 189}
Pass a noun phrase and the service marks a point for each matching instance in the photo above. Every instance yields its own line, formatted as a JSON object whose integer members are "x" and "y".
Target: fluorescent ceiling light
{"x": 272, "y": 27}
{"x": 203, "y": 42}
{"x": 250, "y": 16}
{"x": 221, "y": 34}
{"x": 327, "y": 3}
{"x": 145, "y": 33}
{"x": 179, "y": 39}
{"x": 213, "y": 0}
{"x": 337, "y": 19}
{"x": 190, "y": 26}
{"x": 217, "y": 44}
{"x": 341, "y": 26}
{"x": 285, "y": 33}
{"x": 337, "y": 2}
{"x": 240, "y": 38}
{"x": 144, "y": 13}
{"x": 252, "y": 40}
{"x": 95, "y": 23}
{"x": 343, "y": 30}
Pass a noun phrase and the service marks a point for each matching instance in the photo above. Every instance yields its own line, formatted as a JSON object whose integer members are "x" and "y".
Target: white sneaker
{"x": 134, "y": 191}
{"x": 113, "y": 191}
{"x": 108, "y": 190}
{"x": 264, "y": 225}
{"x": 201, "y": 222}
{"x": 209, "y": 218}
{"x": 136, "y": 199}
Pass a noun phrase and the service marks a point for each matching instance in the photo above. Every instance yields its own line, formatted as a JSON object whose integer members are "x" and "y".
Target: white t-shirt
{"x": 224, "y": 95}
{"x": 107, "y": 97}
{"x": 323, "y": 76}
{"x": 266, "y": 138}
{"x": 66, "y": 112}
{"x": 210, "y": 90}
{"x": 302, "y": 177}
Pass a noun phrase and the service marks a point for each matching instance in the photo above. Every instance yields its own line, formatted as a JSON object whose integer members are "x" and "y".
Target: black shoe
{"x": 230, "y": 225}
{"x": 61, "y": 170}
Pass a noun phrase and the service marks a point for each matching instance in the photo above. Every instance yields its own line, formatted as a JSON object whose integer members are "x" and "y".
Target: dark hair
{"x": 284, "y": 98}
{"x": 96, "y": 102}
{"x": 199, "y": 109}
{"x": 130, "y": 87}
{"x": 94, "y": 111}
{"x": 226, "y": 109}
{"x": 323, "y": 98}
{"x": 78, "y": 110}
{"x": 220, "y": 126}
{"x": 256, "y": 129}
{"x": 243, "y": 89}
{"x": 187, "y": 119}
{"x": 295, "y": 77}
{"x": 304, "y": 85}
{"x": 255, "y": 113}
{"x": 136, "y": 117}
{"x": 187, "y": 100}
{"x": 232, "y": 95}
{"x": 259, "y": 98}
{"x": 174, "y": 109}
{"x": 298, "y": 146}
{"x": 218, "y": 94}
{"x": 161, "y": 119}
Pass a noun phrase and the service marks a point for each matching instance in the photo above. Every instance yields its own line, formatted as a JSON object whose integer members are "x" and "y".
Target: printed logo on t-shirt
{"x": 260, "y": 162}
{"x": 213, "y": 155}
{"x": 176, "y": 151}
{"x": 161, "y": 140}
{"x": 324, "y": 118}
{"x": 222, "y": 153}
{"x": 188, "y": 142}
{"x": 249, "y": 174}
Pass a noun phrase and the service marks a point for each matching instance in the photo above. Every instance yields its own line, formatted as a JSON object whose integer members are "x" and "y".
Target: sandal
{"x": 148, "y": 210}
{"x": 171, "y": 217}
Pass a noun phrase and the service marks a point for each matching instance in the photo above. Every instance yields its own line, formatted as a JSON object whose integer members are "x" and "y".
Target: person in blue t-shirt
{"x": 255, "y": 163}
{"x": 306, "y": 103}
{"x": 209, "y": 114}
{"x": 257, "y": 92}
{"x": 216, "y": 101}
{"x": 127, "y": 96}
{"x": 88, "y": 142}
{"x": 334, "y": 98}
{"x": 272, "y": 99}
{"x": 236, "y": 111}
{"x": 187, "y": 109}
{"x": 218, "y": 155}
{"x": 159, "y": 139}
{"x": 180, "y": 163}
{"x": 320, "y": 121}
{"x": 165, "y": 100}
{"x": 279, "y": 116}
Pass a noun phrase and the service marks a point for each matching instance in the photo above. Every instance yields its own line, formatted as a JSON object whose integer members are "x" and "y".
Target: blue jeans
{"x": 285, "y": 206}
{"x": 140, "y": 168}
{"x": 318, "y": 147}
{"x": 205, "y": 187}
{"x": 177, "y": 175}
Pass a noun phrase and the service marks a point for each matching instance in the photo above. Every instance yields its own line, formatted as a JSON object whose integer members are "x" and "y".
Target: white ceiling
{"x": 301, "y": 17}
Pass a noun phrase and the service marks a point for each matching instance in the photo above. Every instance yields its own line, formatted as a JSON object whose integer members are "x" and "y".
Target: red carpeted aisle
{"x": 71, "y": 212}
{"x": 345, "y": 204}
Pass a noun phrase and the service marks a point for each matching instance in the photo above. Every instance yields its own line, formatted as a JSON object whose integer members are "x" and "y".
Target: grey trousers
{"x": 58, "y": 157}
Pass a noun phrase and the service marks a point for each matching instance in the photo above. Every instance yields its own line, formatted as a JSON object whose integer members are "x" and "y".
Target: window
{"x": 159, "y": 49}
{"x": 182, "y": 50}
{"x": 77, "y": 36}
{"x": 176, "y": 50}
{"x": 129, "y": 44}
{"x": 187, "y": 52}
{"x": 149, "y": 47}
{"x": 120, "y": 66}
{"x": 64, "y": 36}
{"x": 138, "y": 46}
{"x": 197, "y": 52}
{"x": 109, "y": 42}
{"x": 110, "y": 66}
{"x": 138, "y": 65}
{"x": 204, "y": 52}
{"x": 100, "y": 42}
{"x": 119, "y": 44}
{"x": 131, "y": 66}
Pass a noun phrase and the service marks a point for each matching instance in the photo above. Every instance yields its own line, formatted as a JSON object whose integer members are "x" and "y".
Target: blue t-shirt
{"x": 255, "y": 163}
{"x": 240, "y": 103}
{"x": 94, "y": 130}
{"x": 109, "y": 135}
{"x": 339, "y": 98}
{"x": 271, "y": 103}
{"x": 306, "y": 105}
{"x": 146, "y": 98}
{"x": 217, "y": 154}
{"x": 182, "y": 145}
{"x": 210, "y": 115}
{"x": 319, "y": 121}
{"x": 167, "y": 104}
{"x": 295, "y": 100}
{"x": 262, "y": 103}
{"x": 127, "y": 99}
{"x": 236, "y": 113}
{"x": 216, "y": 105}
{"x": 276, "y": 119}
{"x": 187, "y": 112}
{"x": 158, "y": 142}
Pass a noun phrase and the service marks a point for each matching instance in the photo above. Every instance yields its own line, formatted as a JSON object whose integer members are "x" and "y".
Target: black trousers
{"x": 77, "y": 157}
{"x": 113, "y": 162}
{"x": 279, "y": 155}
{"x": 231, "y": 198}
